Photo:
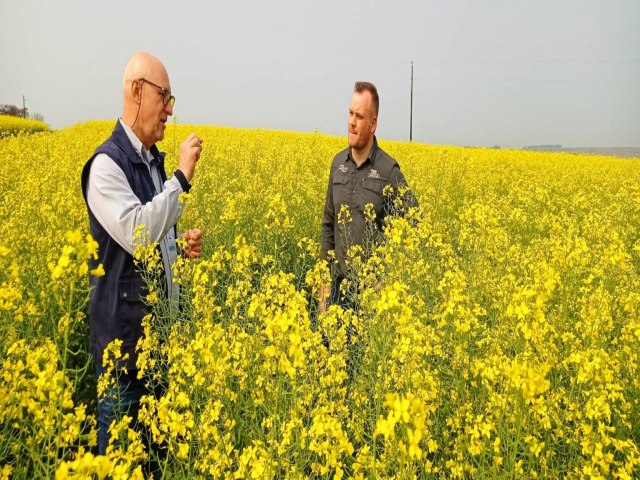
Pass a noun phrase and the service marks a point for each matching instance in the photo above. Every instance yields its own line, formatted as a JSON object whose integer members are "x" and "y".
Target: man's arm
{"x": 398, "y": 182}
{"x": 119, "y": 210}
{"x": 328, "y": 239}
{"x": 328, "y": 218}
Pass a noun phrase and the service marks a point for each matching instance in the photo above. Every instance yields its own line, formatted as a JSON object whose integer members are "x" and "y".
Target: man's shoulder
{"x": 103, "y": 169}
{"x": 384, "y": 161}
{"x": 111, "y": 148}
{"x": 103, "y": 160}
{"x": 106, "y": 156}
{"x": 340, "y": 157}
{"x": 109, "y": 157}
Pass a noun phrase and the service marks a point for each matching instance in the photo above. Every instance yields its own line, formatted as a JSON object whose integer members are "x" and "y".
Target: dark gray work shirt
{"x": 356, "y": 187}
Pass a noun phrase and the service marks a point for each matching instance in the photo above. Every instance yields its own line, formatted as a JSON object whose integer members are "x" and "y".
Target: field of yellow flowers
{"x": 497, "y": 333}
{"x": 10, "y": 125}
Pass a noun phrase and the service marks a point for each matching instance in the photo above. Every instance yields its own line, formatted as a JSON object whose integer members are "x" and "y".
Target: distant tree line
{"x": 19, "y": 112}
{"x": 543, "y": 147}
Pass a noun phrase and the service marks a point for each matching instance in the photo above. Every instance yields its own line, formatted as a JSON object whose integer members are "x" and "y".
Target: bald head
{"x": 143, "y": 65}
{"x": 144, "y": 108}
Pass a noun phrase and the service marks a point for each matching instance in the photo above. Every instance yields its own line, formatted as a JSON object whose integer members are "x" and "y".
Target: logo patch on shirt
{"x": 343, "y": 169}
{"x": 374, "y": 174}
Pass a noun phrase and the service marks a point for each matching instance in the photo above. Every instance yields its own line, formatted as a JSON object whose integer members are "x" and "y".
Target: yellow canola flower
{"x": 494, "y": 331}
{"x": 11, "y": 125}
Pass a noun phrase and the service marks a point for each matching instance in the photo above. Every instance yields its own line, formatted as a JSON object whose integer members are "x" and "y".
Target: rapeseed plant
{"x": 495, "y": 333}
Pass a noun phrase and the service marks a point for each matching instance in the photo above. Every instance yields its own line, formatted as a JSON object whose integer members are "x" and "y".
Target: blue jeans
{"x": 121, "y": 399}
{"x": 345, "y": 300}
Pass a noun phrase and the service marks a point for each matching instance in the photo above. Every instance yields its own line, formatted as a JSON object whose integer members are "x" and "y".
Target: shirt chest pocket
{"x": 342, "y": 190}
{"x": 373, "y": 192}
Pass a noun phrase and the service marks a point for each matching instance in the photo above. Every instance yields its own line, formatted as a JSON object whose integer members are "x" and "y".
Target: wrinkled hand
{"x": 190, "y": 151}
{"x": 193, "y": 240}
{"x": 325, "y": 291}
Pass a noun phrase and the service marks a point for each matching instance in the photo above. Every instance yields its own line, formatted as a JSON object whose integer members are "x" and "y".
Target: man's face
{"x": 153, "y": 111}
{"x": 362, "y": 120}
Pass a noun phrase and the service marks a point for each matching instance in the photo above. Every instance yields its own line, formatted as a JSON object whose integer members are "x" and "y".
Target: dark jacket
{"x": 116, "y": 307}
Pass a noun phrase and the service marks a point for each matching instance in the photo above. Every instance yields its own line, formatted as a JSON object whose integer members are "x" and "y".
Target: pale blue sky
{"x": 487, "y": 72}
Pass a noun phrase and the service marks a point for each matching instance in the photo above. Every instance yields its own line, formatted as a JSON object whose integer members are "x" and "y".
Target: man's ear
{"x": 136, "y": 91}
{"x": 374, "y": 123}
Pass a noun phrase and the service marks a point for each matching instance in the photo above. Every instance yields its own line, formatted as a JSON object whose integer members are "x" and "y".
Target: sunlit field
{"x": 497, "y": 333}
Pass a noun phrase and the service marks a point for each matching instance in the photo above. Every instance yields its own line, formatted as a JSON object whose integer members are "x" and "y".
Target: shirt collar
{"x": 372, "y": 153}
{"x": 137, "y": 145}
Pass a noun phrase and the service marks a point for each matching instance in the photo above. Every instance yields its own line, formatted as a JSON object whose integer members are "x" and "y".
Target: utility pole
{"x": 411, "y": 108}
{"x": 24, "y": 108}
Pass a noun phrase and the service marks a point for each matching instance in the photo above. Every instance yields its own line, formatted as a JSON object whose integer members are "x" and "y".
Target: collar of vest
{"x": 121, "y": 139}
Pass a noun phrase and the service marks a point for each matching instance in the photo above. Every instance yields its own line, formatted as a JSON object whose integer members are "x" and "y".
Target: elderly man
{"x": 125, "y": 187}
{"x": 358, "y": 176}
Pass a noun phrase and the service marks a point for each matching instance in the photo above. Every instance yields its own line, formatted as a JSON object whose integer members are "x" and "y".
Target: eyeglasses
{"x": 166, "y": 95}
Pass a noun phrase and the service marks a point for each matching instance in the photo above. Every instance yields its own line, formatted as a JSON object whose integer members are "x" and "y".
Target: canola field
{"x": 10, "y": 125}
{"x": 497, "y": 334}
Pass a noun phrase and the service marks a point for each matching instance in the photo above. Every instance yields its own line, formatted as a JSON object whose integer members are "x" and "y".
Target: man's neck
{"x": 135, "y": 129}
{"x": 360, "y": 156}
